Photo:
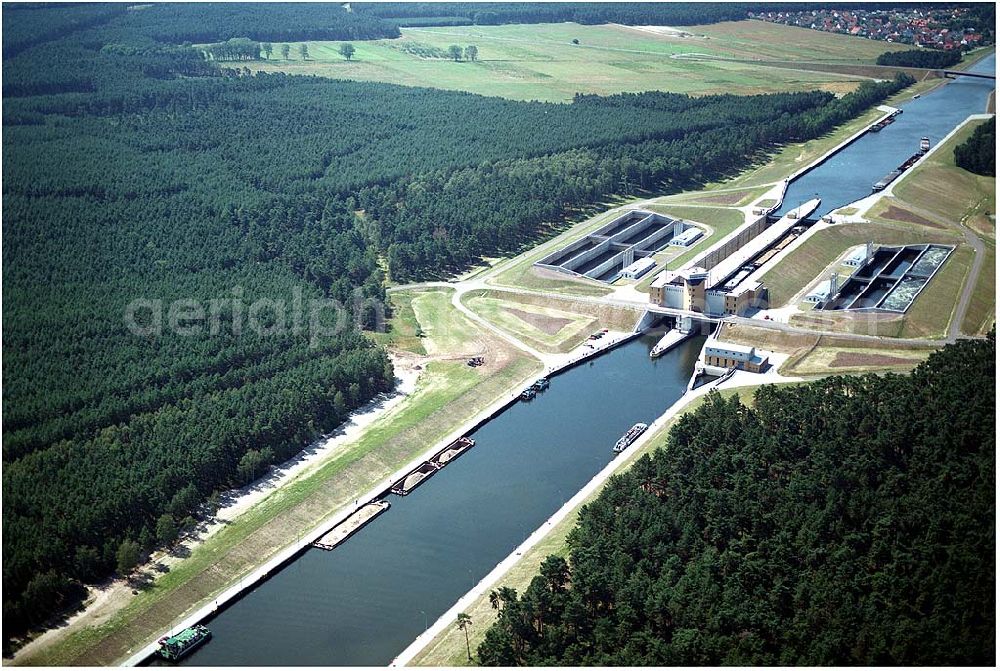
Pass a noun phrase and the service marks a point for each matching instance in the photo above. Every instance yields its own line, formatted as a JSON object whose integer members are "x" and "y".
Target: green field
{"x": 540, "y": 61}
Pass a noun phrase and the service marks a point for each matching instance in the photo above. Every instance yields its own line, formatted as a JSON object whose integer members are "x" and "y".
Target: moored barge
{"x": 630, "y": 437}
{"x": 175, "y": 648}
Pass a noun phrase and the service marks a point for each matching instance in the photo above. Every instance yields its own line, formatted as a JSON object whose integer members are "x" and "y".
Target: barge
{"x": 876, "y": 127}
{"x": 414, "y": 479}
{"x": 351, "y": 525}
{"x": 452, "y": 451}
{"x": 667, "y": 342}
{"x": 174, "y": 648}
{"x": 925, "y": 145}
{"x": 419, "y": 475}
{"x": 630, "y": 437}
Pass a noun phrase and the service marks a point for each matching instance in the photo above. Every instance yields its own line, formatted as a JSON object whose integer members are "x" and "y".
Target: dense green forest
{"x": 920, "y": 58}
{"x": 848, "y": 521}
{"x": 978, "y": 154}
{"x": 138, "y": 170}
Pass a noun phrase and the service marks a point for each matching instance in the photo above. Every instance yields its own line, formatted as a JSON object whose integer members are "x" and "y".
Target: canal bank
{"x": 847, "y": 174}
{"x": 365, "y": 601}
{"x": 422, "y": 651}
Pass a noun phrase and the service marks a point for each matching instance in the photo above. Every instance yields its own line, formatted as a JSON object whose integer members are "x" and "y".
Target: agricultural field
{"x": 541, "y": 62}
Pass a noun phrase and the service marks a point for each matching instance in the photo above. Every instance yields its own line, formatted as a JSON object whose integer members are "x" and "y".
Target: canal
{"x": 849, "y": 175}
{"x": 365, "y": 601}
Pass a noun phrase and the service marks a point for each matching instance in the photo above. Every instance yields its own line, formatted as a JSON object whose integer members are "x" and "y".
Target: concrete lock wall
{"x": 733, "y": 242}
{"x": 582, "y": 258}
{"x": 655, "y": 237}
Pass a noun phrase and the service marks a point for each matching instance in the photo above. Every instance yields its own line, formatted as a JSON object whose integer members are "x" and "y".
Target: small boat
{"x": 630, "y": 437}
{"x": 528, "y": 394}
{"x": 916, "y": 96}
{"x": 541, "y": 383}
{"x": 174, "y": 648}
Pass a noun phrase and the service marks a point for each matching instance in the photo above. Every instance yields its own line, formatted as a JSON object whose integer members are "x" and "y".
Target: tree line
{"x": 849, "y": 521}
{"x": 921, "y": 58}
{"x": 978, "y": 154}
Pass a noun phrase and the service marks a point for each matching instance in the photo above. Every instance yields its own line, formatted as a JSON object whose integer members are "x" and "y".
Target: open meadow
{"x": 542, "y": 62}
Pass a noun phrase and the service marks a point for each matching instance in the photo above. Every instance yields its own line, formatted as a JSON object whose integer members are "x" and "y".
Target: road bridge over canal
{"x": 951, "y": 74}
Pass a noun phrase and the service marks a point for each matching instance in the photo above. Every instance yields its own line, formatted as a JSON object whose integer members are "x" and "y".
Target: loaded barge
{"x": 417, "y": 476}
{"x": 630, "y": 437}
{"x": 876, "y": 127}
{"x": 351, "y": 525}
{"x": 175, "y": 648}
{"x": 925, "y": 145}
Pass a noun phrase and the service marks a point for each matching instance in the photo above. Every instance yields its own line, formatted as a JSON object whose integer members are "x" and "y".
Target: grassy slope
{"x": 565, "y": 339}
{"x": 539, "y": 61}
{"x": 941, "y": 188}
{"x": 981, "y": 315}
{"x": 586, "y": 318}
{"x": 447, "y": 394}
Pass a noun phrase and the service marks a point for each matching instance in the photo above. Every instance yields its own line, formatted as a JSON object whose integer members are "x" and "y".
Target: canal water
{"x": 849, "y": 175}
{"x": 364, "y": 602}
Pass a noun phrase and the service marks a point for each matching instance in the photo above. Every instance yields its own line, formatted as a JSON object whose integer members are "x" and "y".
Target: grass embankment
{"x": 548, "y": 324}
{"x": 811, "y": 356}
{"x": 448, "y": 393}
{"x": 540, "y": 61}
{"x": 718, "y": 197}
{"x": 981, "y": 314}
{"x": 449, "y": 647}
{"x": 928, "y": 317}
{"x": 816, "y": 255}
{"x": 938, "y": 187}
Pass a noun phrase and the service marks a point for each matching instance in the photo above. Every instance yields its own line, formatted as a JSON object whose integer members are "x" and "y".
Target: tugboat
{"x": 175, "y": 648}
{"x": 630, "y": 437}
